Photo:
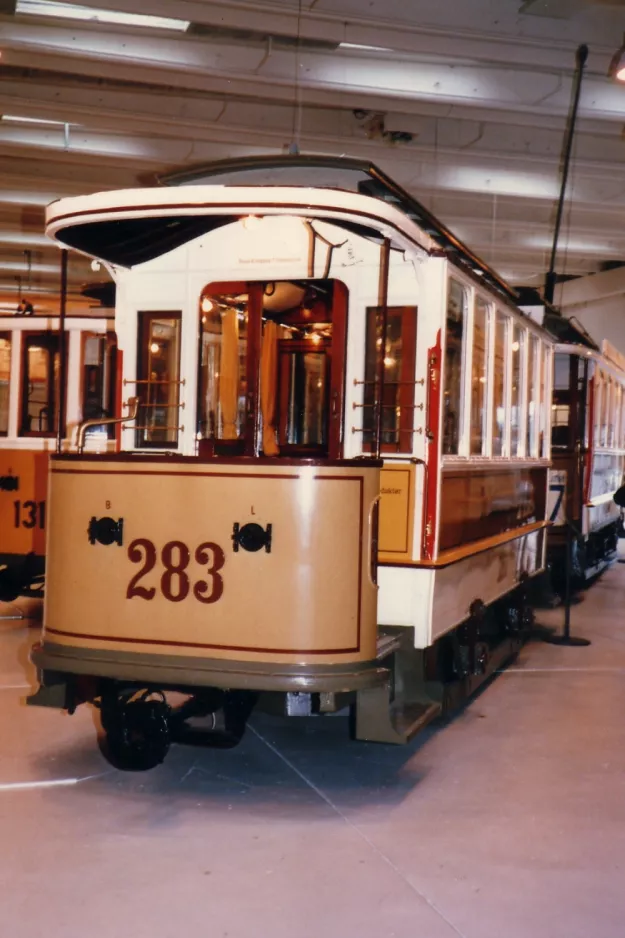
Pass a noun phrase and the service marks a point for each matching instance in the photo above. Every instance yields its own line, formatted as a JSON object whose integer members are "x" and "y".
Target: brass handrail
{"x": 133, "y": 407}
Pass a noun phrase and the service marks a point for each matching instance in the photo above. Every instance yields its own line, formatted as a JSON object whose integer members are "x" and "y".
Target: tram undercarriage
{"x": 389, "y": 700}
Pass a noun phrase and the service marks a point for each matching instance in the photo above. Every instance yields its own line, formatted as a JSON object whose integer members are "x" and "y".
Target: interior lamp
{"x": 617, "y": 65}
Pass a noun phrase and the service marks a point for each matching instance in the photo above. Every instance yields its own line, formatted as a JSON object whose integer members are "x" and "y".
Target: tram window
{"x": 399, "y": 377}
{"x": 224, "y": 368}
{"x": 518, "y": 342}
{"x": 272, "y": 365}
{"x": 5, "y": 381}
{"x": 616, "y": 418}
{"x": 561, "y": 405}
{"x": 545, "y": 381}
{"x": 158, "y": 383}
{"x": 98, "y": 381}
{"x": 479, "y": 373}
{"x": 299, "y": 338}
{"x": 499, "y": 384}
{"x": 40, "y": 384}
{"x": 454, "y": 357}
{"x": 532, "y": 396}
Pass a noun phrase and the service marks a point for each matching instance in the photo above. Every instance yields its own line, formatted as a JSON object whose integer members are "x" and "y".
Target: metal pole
{"x": 581, "y": 57}
{"x": 60, "y": 432}
{"x": 385, "y": 252}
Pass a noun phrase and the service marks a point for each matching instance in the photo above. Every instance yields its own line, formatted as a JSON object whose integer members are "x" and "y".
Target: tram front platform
{"x": 508, "y": 820}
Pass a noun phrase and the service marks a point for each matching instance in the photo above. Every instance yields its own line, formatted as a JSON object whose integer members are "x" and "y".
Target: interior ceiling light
{"x": 617, "y": 65}
{"x": 93, "y": 14}
{"x": 33, "y": 120}
{"x": 357, "y": 45}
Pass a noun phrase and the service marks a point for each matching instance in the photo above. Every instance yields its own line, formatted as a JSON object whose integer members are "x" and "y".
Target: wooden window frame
{"x": 145, "y": 317}
{"x": 409, "y": 316}
{"x": 43, "y": 337}
{"x": 9, "y": 337}
{"x": 250, "y": 445}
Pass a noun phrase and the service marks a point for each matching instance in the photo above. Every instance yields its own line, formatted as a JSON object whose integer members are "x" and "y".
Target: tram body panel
{"x": 308, "y": 598}
{"x": 23, "y": 505}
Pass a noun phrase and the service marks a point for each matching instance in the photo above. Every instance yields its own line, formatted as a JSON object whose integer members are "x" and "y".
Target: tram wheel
{"x": 137, "y": 731}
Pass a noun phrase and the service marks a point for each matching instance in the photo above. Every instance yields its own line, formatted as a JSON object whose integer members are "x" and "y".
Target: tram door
{"x": 272, "y": 359}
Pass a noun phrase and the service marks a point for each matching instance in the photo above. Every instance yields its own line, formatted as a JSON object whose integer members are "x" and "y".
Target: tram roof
{"x": 350, "y": 175}
{"x": 116, "y": 227}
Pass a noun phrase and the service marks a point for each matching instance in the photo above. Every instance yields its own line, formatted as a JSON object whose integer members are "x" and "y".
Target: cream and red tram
{"x": 588, "y": 453}
{"x": 305, "y": 341}
{"x": 36, "y": 417}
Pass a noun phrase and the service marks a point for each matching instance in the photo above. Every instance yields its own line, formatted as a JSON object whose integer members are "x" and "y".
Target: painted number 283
{"x": 175, "y": 584}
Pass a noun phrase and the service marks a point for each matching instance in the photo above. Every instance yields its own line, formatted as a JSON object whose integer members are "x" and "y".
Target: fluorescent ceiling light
{"x": 93, "y": 14}
{"x": 33, "y": 120}
{"x": 357, "y": 45}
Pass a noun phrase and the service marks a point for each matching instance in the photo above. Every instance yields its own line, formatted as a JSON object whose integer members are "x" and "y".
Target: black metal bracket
{"x": 106, "y": 531}
{"x": 251, "y": 537}
{"x": 9, "y": 483}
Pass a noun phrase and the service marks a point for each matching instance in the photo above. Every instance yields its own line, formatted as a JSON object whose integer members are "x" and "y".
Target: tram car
{"x": 35, "y": 356}
{"x": 333, "y": 494}
{"x": 588, "y": 458}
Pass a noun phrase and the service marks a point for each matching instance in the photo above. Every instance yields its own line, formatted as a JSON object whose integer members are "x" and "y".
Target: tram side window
{"x": 454, "y": 358}
{"x": 499, "y": 384}
{"x": 561, "y": 406}
{"x": 98, "y": 381}
{"x": 479, "y": 375}
{"x": 399, "y": 376}
{"x": 158, "y": 382}
{"x": 516, "y": 412}
{"x": 545, "y": 383}
{"x": 616, "y": 417}
{"x": 40, "y": 384}
{"x": 5, "y": 381}
{"x": 532, "y": 396}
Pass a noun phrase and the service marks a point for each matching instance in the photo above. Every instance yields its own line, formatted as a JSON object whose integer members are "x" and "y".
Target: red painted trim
{"x": 158, "y": 641}
{"x": 433, "y": 411}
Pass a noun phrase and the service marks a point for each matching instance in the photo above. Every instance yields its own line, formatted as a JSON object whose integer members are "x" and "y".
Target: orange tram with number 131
{"x": 329, "y": 492}
{"x": 31, "y": 348}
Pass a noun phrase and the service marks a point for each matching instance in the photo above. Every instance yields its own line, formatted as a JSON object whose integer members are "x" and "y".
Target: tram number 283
{"x": 175, "y": 583}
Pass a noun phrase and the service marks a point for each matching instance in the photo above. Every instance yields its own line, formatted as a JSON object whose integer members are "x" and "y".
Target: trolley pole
{"x": 581, "y": 57}
{"x": 60, "y": 431}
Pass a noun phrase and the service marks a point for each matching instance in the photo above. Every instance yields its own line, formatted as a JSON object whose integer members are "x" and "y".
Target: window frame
{"x": 8, "y": 336}
{"x": 45, "y": 338}
{"x": 144, "y": 318}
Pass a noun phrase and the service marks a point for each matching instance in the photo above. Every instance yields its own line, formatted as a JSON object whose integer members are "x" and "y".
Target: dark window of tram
{"x": 454, "y": 357}
{"x": 5, "y": 381}
{"x": 158, "y": 383}
{"x": 98, "y": 381}
{"x": 567, "y": 400}
{"x": 399, "y": 377}
{"x": 40, "y": 383}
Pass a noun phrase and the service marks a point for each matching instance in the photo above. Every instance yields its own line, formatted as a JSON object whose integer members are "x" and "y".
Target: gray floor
{"x": 508, "y": 822}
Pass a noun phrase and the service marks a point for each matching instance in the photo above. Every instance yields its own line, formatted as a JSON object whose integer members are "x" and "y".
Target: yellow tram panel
{"x": 23, "y": 488}
{"x": 181, "y": 584}
{"x": 397, "y": 496}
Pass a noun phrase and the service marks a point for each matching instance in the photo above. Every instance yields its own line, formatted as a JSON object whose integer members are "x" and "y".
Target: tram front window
{"x": 268, "y": 374}
{"x": 40, "y": 380}
{"x": 158, "y": 385}
{"x": 5, "y": 379}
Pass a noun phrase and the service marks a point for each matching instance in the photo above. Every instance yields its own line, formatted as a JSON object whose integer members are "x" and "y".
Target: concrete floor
{"x": 507, "y": 822}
